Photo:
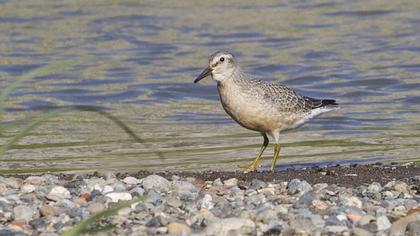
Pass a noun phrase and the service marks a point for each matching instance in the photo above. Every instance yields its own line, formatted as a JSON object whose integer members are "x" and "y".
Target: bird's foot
{"x": 250, "y": 168}
{"x": 273, "y": 169}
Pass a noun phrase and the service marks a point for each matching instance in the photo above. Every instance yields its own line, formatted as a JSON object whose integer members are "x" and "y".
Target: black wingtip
{"x": 329, "y": 102}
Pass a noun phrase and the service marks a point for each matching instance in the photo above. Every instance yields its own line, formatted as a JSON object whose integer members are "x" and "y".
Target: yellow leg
{"x": 255, "y": 164}
{"x": 276, "y": 156}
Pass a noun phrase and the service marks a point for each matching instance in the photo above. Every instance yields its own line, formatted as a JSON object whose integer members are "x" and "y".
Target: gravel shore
{"x": 218, "y": 203}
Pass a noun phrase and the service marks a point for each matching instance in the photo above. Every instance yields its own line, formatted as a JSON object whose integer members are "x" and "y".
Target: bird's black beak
{"x": 206, "y": 72}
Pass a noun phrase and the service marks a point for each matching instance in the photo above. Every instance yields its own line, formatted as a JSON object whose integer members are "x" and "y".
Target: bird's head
{"x": 221, "y": 66}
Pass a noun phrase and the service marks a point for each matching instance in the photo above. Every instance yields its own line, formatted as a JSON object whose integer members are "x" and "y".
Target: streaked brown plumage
{"x": 268, "y": 108}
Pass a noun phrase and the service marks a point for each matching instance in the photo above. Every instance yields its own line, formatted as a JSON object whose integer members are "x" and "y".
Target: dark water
{"x": 139, "y": 61}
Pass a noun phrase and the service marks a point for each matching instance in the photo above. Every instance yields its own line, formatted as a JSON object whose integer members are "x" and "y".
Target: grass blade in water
{"x": 57, "y": 66}
{"x": 32, "y": 125}
{"x": 46, "y": 116}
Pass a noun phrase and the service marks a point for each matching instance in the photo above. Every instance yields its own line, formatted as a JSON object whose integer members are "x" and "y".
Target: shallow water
{"x": 139, "y": 61}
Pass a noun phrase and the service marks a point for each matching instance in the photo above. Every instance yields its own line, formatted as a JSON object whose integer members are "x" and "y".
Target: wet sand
{"x": 346, "y": 176}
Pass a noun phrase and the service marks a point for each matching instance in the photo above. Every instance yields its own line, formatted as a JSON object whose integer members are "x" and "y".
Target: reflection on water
{"x": 139, "y": 61}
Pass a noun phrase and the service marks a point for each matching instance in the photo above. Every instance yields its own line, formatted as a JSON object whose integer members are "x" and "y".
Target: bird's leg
{"x": 276, "y": 156}
{"x": 255, "y": 164}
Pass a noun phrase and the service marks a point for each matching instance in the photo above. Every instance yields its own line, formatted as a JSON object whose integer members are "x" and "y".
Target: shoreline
{"x": 372, "y": 199}
{"x": 342, "y": 175}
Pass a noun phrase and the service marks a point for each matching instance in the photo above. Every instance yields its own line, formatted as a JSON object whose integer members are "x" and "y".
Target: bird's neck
{"x": 237, "y": 76}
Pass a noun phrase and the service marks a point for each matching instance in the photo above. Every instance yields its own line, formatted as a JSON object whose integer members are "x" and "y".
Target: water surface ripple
{"x": 139, "y": 61}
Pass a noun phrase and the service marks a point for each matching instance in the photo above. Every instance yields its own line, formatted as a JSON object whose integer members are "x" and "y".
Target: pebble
{"x": 374, "y": 188}
{"x": 48, "y": 205}
{"x": 231, "y": 227}
{"x": 116, "y": 197}
{"x": 266, "y": 216}
{"x": 131, "y": 180}
{"x": 23, "y": 213}
{"x": 231, "y": 182}
{"x": 383, "y": 223}
{"x": 401, "y": 187}
{"x": 320, "y": 205}
{"x": 207, "y": 202}
{"x": 47, "y": 210}
{"x": 107, "y": 189}
{"x": 298, "y": 186}
{"x": 27, "y": 188}
{"x": 157, "y": 183}
{"x": 35, "y": 180}
{"x": 175, "y": 228}
{"x": 58, "y": 193}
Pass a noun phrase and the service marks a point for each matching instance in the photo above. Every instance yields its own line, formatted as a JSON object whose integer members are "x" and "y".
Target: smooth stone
{"x": 47, "y": 210}
{"x": 119, "y": 196}
{"x": 65, "y": 203}
{"x": 174, "y": 202}
{"x": 336, "y": 229}
{"x": 137, "y": 191}
{"x": 131, "y": 180}
{"x": 27, "y": 188}
{"x": 175, "y": 228}
{"x": 157, "y": 183}
{"x": 306, "y": 199}
{"x": 202, "y": 217}
{"x": 339, "y": 220}
{"x": 161, "y": 230}
{"x": 275, "y": 227}
{"x": 413, "y": 228}
{"x": 282, "y": 209}
{"x": 37, "y": 224}
{"x": 3, "y": 187}
{"x": 399, "y": 211}
{"x": 305, "y": 220}
{"x": 96, "y": 207}
{"x": 9, "y": 232}
{"x": 23, "y": 213}
{"x": 361, "y": 232}
{"x": 389, "y": 195}
{"x": 320, "y": 186}
{"x": 298, "y": 186}
{"x": 119, "y": 187}
{"x": 351, "y": 201}
{"x": 267, "y": 216}
{"x": 257, "y": 184}
{"x": 389, "y": 185}
{"x": 401, "y": 187}
{"x": 320, "y": 205}
{"x": 12, "y": 182}
{"x": 35, "y": 180}
{"x": 383, "y": 223}
{"x": 231, "y": 227}
{"x": 399, "y": 227}
{"x": 374, "y": 188}
{"x": 185, "y": 190}
{"x": 231, "y": 182}
{"x": 153, "y": 222}
{"x": 107, "y": 189}
{"x": 207, "y": 202}
{"x": 58, "y": 193}
{"x": 153, "y": 197}
{"x": 366, "y": 219}
{"x": 81, "y": 201}
{"x": 217, "y": 182}
{"x": 75, "y": 212}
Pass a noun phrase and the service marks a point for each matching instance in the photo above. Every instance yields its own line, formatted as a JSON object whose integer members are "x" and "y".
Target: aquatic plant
{"x": 57, "y": 66}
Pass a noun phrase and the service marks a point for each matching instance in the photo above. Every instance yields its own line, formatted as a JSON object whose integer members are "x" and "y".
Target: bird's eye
{"x": 222, "y": 59}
